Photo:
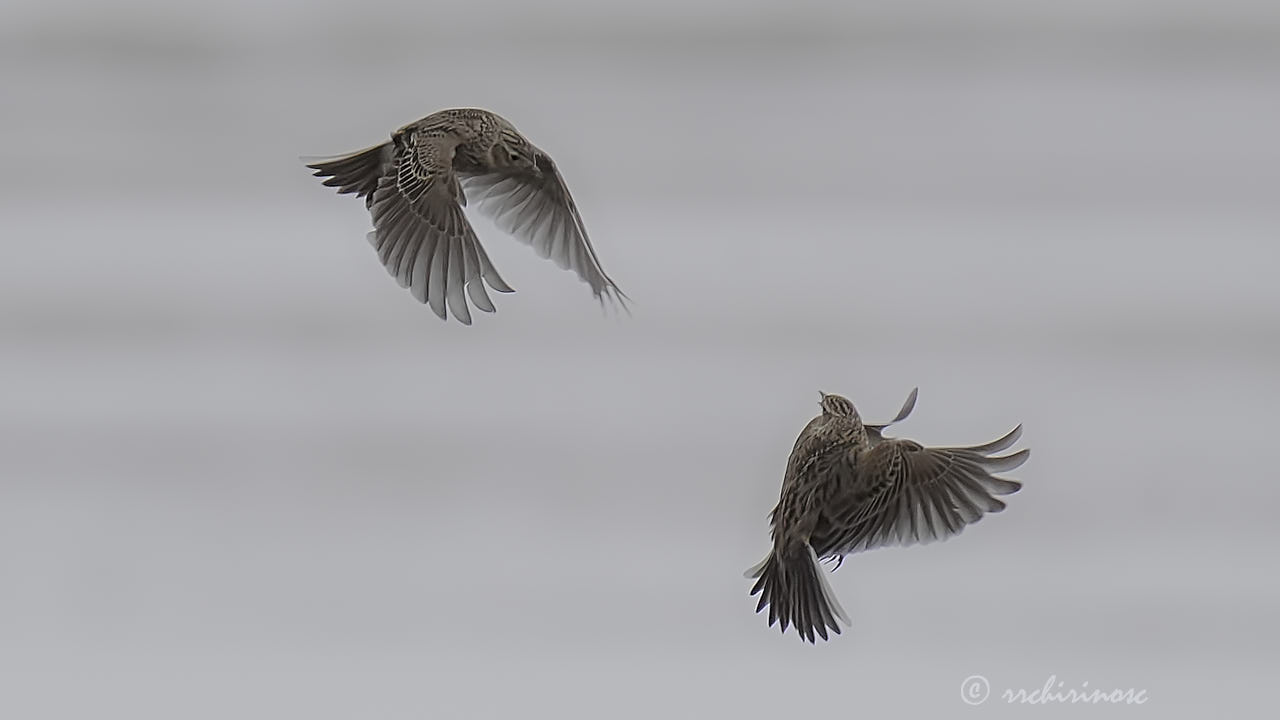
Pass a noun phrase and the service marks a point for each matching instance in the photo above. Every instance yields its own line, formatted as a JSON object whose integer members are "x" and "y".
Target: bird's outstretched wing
{"x": 875, "y": 433}
{"x": 421, "y": 234}
{"x": 903, "y": 493}
{"x": 535, "y": 207}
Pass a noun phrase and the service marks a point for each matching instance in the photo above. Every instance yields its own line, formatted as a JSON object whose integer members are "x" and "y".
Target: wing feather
{"x": 422, "y": 236}
{"x": 903, "y": 493}
{"x": 536, "y": 208}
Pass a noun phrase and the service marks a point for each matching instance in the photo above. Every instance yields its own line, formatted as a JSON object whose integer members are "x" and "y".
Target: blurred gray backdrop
{"x": 244, "y": 475}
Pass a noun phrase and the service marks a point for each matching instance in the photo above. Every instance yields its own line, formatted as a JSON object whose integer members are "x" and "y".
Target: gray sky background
{"x": 244, "y": 474}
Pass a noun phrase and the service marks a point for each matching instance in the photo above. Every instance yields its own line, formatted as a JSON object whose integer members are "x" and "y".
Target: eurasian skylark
{"x": 416, "y": 185}
{"x": 848, "y": 488}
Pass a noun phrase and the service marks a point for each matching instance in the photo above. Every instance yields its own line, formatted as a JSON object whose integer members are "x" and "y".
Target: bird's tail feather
{"x": 795, "y": 589}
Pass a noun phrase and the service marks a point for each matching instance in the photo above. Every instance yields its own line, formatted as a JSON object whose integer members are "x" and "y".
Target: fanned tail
{"x": 356, "y": 172}
{"x": 795, "y": 589}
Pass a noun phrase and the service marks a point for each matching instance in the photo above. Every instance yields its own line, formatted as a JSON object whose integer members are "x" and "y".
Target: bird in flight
{"x": 415, "y": 187}
{"x": 848, "y": 488}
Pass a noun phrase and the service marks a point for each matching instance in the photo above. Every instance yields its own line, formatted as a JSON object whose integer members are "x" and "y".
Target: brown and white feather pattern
{"x": 790, "y": 581}
{"x": 847, "y": 490}
{"x": 421, "y": 235}
{"x": 413, "y": 188}
{"x": 904, "y": 493}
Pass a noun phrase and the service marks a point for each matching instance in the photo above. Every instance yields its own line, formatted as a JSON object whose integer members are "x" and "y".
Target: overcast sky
{"x": 244, "y": 474}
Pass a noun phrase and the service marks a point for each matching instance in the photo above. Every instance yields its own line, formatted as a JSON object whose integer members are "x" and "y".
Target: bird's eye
{"x": 515, "y": 157}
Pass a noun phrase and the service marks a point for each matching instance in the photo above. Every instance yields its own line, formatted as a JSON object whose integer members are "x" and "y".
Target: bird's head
{"x": 840, "y": 417}
{"x": 513, "y": 152}
{"x": 837, "y": 406}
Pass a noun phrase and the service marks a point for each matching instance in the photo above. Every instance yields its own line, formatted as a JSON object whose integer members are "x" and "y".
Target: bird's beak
{"x": 821, "y": 397}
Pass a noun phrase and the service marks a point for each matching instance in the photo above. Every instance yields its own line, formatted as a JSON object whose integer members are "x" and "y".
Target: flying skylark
{"x": 847, "y": 489}
{"x": 415, "y": 187}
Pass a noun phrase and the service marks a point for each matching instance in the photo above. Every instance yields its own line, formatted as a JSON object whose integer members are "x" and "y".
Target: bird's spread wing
{"x": 421, "y": 234}
{"x": 875, "y": 433}
{"x": 904, "y": 493}
{"x": 537, "y": 209}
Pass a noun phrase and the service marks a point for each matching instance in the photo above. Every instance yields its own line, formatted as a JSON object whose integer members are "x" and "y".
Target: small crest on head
{"x": 836, "y": 405}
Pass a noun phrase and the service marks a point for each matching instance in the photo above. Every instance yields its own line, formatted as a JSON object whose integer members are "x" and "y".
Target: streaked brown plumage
{"x": 416, "y": 185}
{"x": 847, "y": 488}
